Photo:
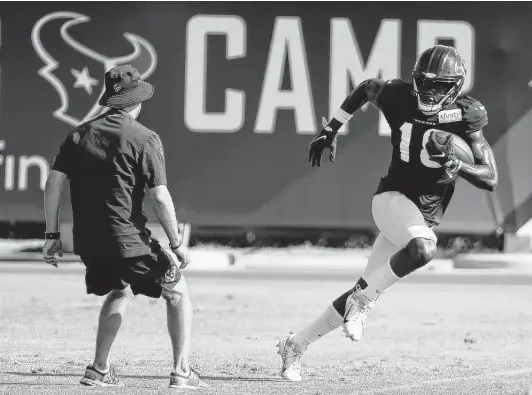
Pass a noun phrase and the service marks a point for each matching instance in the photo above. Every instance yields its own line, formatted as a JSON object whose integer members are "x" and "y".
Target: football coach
{"x": 112, "y": 161}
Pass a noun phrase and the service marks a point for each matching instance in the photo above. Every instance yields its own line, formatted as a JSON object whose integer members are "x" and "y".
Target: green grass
{"x": 420, "y": 339}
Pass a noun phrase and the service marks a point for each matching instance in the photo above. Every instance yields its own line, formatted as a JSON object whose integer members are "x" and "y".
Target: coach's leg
{"x": 179, "y": 316}
{"x": 111, "y": 314}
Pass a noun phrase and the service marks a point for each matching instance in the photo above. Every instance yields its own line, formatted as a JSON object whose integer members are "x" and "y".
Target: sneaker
{"x": 94, "y": 378}
{"x": 192, "y": 382}
{"x": 357, "y": 307}
{"x": 291, "y": 369}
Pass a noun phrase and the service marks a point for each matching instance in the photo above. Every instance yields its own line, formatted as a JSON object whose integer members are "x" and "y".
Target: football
{"x": 461, "y": 150}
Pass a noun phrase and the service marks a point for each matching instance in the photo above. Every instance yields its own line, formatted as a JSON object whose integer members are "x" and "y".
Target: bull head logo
{"x": 72, "y": 110}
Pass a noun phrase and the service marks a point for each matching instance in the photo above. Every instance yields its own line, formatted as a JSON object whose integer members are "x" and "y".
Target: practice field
{"x": 422, "y": 338}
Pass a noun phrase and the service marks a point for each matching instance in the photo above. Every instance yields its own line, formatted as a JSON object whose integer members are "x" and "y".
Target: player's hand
{"x": 444, "y": 155}
{"x": 183, "y": 255}
{"x": 326, "y": 139}
{"x": 52, "y": 247}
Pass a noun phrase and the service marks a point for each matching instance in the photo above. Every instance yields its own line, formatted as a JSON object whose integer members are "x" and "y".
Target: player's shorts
{"x": 146, "y": 274}
{"x": 399, "y": 219}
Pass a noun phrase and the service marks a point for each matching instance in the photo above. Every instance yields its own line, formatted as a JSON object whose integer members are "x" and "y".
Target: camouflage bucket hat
{"x": 124, "y": 88}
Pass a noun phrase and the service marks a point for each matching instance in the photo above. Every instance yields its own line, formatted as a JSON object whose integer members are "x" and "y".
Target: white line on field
{"x": 452, "y": 380}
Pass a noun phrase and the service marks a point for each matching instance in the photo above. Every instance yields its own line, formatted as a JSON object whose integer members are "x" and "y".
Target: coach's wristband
{"x": 52, "y": 235}
{"x": 174, "y": 247}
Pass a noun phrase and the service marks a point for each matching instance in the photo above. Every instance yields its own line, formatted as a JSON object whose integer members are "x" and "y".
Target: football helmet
{"x": 438, "y": 78}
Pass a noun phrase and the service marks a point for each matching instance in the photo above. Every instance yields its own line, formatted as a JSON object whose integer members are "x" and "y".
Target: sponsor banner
{"x": 240, "y": 90}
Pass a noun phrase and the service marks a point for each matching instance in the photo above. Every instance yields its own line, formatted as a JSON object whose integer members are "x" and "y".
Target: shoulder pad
{"x": 474, "y": 114}
{"x": 398, "y": 83}
{"x": 392, "y": 92}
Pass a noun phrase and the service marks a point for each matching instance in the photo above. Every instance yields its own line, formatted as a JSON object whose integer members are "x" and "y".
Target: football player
{"x": 411, "y": 199}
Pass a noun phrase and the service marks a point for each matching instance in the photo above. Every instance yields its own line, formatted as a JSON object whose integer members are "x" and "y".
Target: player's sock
{"x": 327, "y": 322}
{"x": 379, "y": 281}
{"x": 339, "y": 303}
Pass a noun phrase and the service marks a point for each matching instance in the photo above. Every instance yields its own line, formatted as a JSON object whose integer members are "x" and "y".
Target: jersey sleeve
{"x": 474, "y": 115}
{"x": 392, "y": 95}
{"x": 153, "y": 162}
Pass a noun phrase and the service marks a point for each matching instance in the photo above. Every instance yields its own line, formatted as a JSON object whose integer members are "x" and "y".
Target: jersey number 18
{"x": 404, "y": 147}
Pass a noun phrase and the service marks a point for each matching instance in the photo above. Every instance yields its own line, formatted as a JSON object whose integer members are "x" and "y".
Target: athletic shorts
{"x": 146, "y": 274}
{"x": 399, "y": 219}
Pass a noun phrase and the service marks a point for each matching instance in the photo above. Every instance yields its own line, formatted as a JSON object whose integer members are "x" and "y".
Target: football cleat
{"x": 357, "y": 307}
{"x": 291, "y": 368}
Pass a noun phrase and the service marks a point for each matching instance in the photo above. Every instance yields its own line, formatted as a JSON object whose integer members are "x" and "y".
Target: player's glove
{"x": 326, "y": 139}
{"x": 444, "y": 154}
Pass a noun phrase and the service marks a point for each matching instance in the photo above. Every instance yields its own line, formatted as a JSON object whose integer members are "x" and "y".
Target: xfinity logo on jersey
{"x": 448, "y": 116}
{"x": 79, "y": 65}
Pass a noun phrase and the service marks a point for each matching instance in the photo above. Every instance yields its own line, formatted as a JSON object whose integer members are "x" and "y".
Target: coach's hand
{"x": 183, "y": 255}
{"x": 326, "y": 139}
{"x": 52, "y": 247}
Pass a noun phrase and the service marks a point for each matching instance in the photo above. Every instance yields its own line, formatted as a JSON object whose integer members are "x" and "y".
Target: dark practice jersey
{"x": 411, "y": 172}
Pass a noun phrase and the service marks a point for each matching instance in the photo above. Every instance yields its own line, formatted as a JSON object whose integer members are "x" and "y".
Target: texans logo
{"x": 78, "y": 78}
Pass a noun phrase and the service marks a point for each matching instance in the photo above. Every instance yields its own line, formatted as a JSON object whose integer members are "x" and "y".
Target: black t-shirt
{"x": 110, "y": 161}
{"x": 411, "y": 172}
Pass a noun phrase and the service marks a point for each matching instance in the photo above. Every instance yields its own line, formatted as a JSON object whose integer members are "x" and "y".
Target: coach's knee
{"x": 422, "y": 250}
{"x": 179, "y": 291}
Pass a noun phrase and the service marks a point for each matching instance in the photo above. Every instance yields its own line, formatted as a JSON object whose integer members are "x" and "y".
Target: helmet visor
{"x": 432, "y": 91}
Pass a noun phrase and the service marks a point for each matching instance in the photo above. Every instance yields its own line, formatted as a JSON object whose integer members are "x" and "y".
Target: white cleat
{"x": 291, "y": 369}
{"x": 357, "y": 307}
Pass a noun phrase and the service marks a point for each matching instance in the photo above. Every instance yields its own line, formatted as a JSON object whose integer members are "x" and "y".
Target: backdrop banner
{"x": 241, "y": 89}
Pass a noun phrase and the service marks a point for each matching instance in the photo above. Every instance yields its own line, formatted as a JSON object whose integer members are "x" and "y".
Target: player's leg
{"x": 402, "y": 223}
{"x": 333, "y": 316}
{"x": 292, "y": 347}
{"x": 381, "y": 252}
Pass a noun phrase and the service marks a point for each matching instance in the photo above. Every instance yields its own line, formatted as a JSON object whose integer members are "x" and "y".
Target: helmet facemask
{"x": 434, "y": 93}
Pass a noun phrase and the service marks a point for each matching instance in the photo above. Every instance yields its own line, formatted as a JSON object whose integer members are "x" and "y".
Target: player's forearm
{"x": 481, "y": 176}
{"x": 165, "y": 212}
{"x": 52, "y": 205}
{"x": 362, "y": 94}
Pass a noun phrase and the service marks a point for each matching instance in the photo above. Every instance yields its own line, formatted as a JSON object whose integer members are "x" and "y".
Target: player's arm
{"x": 483, "y": 174}
{"x": 366, "y": 92}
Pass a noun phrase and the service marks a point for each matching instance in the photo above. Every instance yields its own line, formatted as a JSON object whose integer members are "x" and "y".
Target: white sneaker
{"x": 291, "y": 369}
{"x": 357, "y": 307}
